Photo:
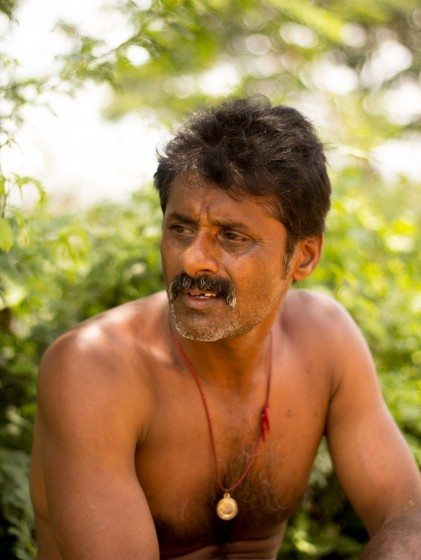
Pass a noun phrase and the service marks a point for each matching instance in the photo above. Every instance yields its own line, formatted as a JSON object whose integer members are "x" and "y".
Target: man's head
{"x": 248, "y": 147}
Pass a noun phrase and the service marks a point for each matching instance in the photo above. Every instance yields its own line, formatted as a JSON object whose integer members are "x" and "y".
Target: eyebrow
{"x": 179, "y": 216}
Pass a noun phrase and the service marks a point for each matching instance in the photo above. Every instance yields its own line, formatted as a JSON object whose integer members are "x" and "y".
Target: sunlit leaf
{"x": 6, "y": 235}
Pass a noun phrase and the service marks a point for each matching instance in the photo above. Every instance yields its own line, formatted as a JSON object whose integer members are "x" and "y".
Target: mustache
{"x": 221, "y": 286}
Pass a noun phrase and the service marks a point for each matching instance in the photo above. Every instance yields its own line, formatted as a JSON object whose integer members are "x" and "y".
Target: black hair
{"x": 247, "y": 146}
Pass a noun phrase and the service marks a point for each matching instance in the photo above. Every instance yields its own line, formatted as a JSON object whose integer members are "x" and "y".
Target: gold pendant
{"x": 227, "y": 507}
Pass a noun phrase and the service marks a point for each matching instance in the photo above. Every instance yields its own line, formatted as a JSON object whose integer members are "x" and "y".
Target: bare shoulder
{"x": 317, "y": 321}
{"x": 317, "y": 311}
{"x": 114, "y": 335}
{"x": 103, "y": 361}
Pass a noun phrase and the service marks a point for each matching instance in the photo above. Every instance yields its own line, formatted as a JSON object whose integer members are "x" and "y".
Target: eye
{"x": 181, "y": 229}
{"x": 233, "y": 236}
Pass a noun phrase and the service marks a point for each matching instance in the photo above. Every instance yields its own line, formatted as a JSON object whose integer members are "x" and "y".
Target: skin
{"x": 122, "y": 465}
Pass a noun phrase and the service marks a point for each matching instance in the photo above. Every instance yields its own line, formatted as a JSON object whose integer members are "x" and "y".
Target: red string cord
{"x": 264, "y": 417}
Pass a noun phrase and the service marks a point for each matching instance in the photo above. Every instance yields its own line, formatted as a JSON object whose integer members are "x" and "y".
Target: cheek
{"x": 168, "y": 259}
{"x": 262, "y": 278}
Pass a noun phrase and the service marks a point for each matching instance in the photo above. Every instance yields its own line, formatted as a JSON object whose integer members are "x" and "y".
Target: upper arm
{"x": 89, "y": 422}
{"x": 370, "y": 455}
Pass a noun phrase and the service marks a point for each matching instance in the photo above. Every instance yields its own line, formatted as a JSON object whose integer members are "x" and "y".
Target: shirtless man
{"x": 151, "y": 412}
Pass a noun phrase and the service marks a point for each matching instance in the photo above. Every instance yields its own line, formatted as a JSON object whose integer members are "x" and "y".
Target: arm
{"x": 92, "y": 411}
{"x": 397, "y": 539}
{"x": 369, "y": 453}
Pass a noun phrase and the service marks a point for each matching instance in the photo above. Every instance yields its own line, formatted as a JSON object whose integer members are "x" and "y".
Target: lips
{"x": 202, "y": 289}
{"x": 201, "y": 295}
{"x": 197, "y": 300}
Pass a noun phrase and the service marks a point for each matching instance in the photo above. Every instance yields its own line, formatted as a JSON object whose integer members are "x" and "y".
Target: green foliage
{"x": 15, "y": 511}
{"x": 276, "y": 48}
{"x": 59, "y": 269}
{"x": 7, "y": 7}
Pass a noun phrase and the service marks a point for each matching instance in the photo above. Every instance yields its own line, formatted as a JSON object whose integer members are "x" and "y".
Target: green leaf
{"x": 7, "y": 7}
{"x": 2, "y": 186}
{"x": 6, "y": 235}
{"x": 24, "y": 181}
{"x": 15, "y": 505}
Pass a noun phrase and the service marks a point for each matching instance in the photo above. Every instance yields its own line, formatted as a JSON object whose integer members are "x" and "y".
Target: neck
{"x": 230, "y": 363}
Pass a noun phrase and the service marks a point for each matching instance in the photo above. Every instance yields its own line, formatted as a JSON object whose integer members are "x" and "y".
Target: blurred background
{"x": 89, "y": 90}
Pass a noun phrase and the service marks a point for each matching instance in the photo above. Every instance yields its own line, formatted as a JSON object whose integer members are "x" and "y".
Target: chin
{"x": 200, "y": 331}
{"x": 203, "y": 329}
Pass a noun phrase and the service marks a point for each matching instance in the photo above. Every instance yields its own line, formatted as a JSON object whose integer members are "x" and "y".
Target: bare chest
{"x": 176, "y": 467}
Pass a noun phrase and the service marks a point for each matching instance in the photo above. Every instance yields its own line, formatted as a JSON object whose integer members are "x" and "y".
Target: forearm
{"x": 397, "y": 539}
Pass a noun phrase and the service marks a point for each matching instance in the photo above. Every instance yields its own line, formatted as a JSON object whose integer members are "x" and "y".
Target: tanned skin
{"x": 122, "y": 465}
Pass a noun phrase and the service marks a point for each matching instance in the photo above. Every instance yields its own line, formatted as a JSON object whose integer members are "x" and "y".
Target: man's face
{"x": 222, "y": 260}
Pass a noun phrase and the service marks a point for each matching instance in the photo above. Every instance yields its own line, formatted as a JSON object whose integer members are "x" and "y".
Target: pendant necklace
{"x": 227, "y": 507}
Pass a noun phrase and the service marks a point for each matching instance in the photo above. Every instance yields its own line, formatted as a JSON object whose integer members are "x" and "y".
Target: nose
{"x": 200, "y": 257}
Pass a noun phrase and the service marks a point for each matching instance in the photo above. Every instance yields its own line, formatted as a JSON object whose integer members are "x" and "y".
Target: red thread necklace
{"x": 227, "y": 507}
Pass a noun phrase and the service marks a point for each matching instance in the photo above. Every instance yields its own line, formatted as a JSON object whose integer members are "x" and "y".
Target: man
{"x": 184, "y": 425}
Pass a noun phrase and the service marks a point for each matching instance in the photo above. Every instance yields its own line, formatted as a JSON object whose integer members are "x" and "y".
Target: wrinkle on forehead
{"x": 216, "y": 197}
{"x": 195, "y": 180}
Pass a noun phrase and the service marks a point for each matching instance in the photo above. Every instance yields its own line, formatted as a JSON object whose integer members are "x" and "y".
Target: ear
{"x": 306, "y": 256}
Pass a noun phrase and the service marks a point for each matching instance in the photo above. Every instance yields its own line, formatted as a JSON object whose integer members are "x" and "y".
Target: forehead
{"x": 193, "y": 196}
